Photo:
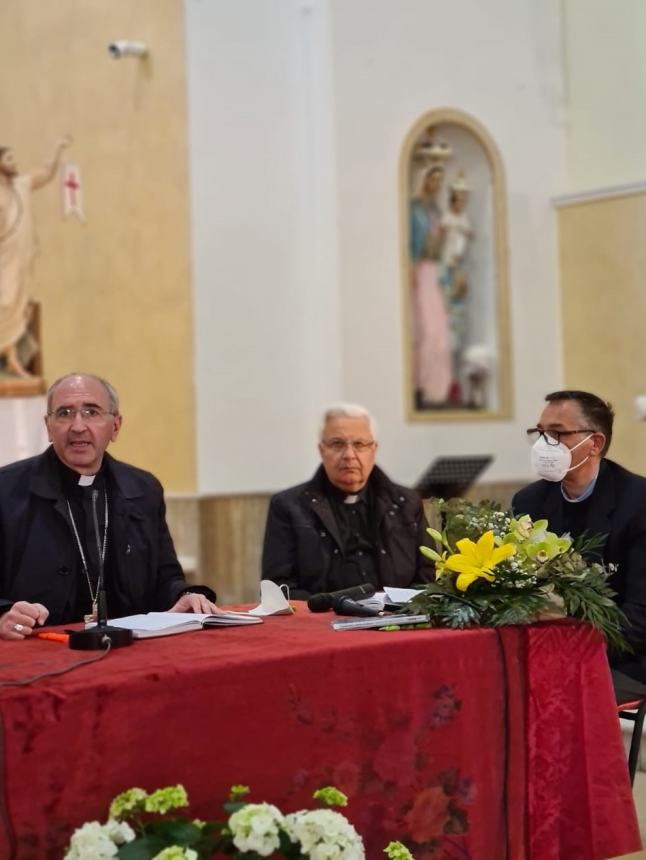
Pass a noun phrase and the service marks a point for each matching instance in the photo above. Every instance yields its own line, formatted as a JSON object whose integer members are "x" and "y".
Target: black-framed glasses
{"x": 553, "y": 437}
{"x": 338, "y": 446}
{"x": 89, "y": 414}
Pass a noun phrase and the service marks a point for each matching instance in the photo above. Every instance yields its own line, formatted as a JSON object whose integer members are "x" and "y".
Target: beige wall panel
{"x": 116, "y": 291}
{"x": 231, "y": 534}
{"x": 603, "y": 288}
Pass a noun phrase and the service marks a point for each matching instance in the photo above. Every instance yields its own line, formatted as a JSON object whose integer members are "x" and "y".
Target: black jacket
{"x": 39, "y": 555}
{"x": 618, "y": 512}
{"x": 303, "y": 548}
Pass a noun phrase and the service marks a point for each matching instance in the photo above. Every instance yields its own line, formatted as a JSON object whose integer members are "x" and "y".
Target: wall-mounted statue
{"x": 454, "y": 270}
{"x": 17, "y": 251}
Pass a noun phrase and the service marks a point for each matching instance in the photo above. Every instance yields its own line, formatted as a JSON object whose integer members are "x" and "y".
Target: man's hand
{"x": 194, "y": 603}
{"x": 21, "y": 619}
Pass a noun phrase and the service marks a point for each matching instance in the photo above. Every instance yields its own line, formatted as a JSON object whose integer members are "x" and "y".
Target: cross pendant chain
{"x": 101, "y": 548}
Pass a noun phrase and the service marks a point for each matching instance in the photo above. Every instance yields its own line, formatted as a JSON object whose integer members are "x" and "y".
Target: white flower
{"x": 256, "y": 827}
{"x": 119, "y": 831}
{"x": 91, "y": 842}
{"x": 324, "y": 834}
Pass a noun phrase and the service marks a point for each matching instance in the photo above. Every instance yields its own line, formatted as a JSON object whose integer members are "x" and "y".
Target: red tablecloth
{"x": 476, "y": 744}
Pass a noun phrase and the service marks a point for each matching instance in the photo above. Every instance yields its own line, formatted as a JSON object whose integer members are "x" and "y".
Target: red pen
{"x": 53, "y": 637}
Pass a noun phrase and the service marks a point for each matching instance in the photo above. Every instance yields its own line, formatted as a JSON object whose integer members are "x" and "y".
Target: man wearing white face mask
{"x": 582, "y": 491}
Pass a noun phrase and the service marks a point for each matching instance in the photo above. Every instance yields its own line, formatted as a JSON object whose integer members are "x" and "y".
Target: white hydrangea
{"x": 91, "y": 842}
{"x": 256, "y": 827}
{"x": 324, "y": 834}
{"x": 119, "y": 831}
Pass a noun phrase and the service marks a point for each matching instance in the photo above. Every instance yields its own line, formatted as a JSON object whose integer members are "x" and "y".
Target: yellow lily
{"x": 476, "y": 560}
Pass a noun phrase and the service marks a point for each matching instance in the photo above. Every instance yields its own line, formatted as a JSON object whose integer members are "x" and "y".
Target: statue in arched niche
{"x": 17, "y": 251}
{"x": 431, "y": 343}
{"x": 454, "y": 276}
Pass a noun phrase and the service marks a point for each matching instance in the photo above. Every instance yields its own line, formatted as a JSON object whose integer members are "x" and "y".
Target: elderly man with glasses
{"x": 74, "y": 521}
{"x": 581, "y": 491}
{"x": 350, "y": 524}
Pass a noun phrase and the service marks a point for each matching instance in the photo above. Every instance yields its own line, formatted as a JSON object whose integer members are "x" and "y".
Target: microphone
{"x": 348, "y": 606}
{"x": 325, "y": 601}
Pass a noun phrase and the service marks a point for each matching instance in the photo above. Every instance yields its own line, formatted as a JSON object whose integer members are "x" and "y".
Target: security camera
{"x": 126, "y": 48}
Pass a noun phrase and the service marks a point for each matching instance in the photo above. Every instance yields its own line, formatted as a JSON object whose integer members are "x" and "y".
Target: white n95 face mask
{"x": 553, "y": 462}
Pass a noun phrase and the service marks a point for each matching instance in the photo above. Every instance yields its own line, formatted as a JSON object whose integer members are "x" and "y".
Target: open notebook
{"x": 168, "y": 623}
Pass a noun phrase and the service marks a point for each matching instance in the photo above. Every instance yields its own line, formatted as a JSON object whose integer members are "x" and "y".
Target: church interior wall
{"x": 297, "y": 269}
{"x": 602, "y": 217}
{"x": 243, "y": 238}
{"x": 602, "y": 263}
{"x": 605, "y": 70}
{"x": 116, "y": 290}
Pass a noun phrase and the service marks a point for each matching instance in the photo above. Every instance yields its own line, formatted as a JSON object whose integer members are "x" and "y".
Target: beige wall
{"x": 602, "y": 268}
{"x": 116, "y": 292}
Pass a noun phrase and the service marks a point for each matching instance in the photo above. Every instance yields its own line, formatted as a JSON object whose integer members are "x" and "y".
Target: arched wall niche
{"x": 454, "y": 271}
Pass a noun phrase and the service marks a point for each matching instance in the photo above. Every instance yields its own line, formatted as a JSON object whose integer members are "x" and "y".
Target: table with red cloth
{"x": 483, "y": 744}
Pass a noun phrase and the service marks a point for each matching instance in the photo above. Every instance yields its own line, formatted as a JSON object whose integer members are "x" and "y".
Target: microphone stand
{"x": 96, "y": 638}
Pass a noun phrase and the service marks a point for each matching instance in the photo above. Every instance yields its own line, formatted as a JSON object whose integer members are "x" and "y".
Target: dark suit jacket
{"x": 618, "y": 512}
{"x": 303, "y": 548}
{"x": 38, "y": 553}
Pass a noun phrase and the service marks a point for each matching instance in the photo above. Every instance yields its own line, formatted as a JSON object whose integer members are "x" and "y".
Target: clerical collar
{"x": 589, "y": 490}
{"x": 340, "y": 496}
{"x": 74, "y": 482}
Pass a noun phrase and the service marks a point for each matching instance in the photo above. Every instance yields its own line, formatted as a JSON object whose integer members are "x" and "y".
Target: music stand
{"x": 448, "y": 477}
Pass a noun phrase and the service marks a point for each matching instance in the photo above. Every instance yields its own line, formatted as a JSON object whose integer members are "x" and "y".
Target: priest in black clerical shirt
{"x": 350, "y": 524}
{"x": 74, "y": 520}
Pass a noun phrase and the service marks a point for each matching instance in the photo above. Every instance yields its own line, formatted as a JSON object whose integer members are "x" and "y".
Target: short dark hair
{"x": 598, "y": 413}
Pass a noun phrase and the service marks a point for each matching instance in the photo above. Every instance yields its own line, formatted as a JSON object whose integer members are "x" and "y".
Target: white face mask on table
{"x": 553, "y": 462}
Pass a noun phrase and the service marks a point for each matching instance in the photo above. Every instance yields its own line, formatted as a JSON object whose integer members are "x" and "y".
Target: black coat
{"x": 39, "y": 555}
{"x": 618, "y": 512}
{"x": 303, "y": 548}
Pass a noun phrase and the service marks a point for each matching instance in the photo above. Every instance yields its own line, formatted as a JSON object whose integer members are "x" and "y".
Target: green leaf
{"x": 142, "y": 849}
{"x": 177, "y": 831}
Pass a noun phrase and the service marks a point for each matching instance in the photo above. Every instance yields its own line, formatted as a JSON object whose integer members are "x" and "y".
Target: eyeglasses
{"x": 338, "y": 446}
{"x": 89, "y": 414}
{"x": 553, "y": 437}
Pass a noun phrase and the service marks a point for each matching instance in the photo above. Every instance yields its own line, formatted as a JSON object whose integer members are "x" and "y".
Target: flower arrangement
{"x": 138, "y": 829}
{"x": 492, "y": 568}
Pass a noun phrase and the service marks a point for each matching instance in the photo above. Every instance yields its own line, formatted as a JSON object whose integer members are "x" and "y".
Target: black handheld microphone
{"x": 325, "y": 601}
{"x": 348, "y": 606}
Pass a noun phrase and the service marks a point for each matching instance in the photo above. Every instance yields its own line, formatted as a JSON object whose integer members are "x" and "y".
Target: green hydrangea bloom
{"x": 175, "y": 852}
{"x": 330, "y": 796}
{"x": 397, "y": 851}
{"x": 165, "y": 799}
{"x": 127, "y": 803}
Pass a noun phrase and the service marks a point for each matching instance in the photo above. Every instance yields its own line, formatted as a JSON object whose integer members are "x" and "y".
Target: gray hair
{"x": 113, "y": 397}
{"x": 348, "y": 410}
